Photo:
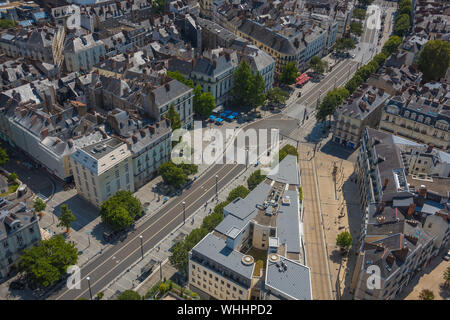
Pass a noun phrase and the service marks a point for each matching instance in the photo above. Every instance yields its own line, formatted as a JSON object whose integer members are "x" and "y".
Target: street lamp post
{"x": 217, "y": 192}
{"x": 184, "y": 211}
{"x": 142, "y": 248}
{"x": 89, "y": 284}
{"x": 160, "y": 269}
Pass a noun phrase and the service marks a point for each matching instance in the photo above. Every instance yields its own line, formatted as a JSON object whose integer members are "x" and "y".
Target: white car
{"x": 352, "y": 55}
{"x": 447, "y": 256}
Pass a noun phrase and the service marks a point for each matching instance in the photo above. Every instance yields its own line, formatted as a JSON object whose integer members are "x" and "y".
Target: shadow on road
{"x": 336, "y": 150}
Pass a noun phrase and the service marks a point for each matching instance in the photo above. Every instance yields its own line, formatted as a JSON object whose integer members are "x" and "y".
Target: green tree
{"x": 254, "y": 179}
{"x": 174, "y": 117}
{"x": 332, "y": 99}
{"x": 162, "y": 288}
{"x": 392, "y": 44}
{"x": 381, "y": 58}
{"x": 365, "y": 3}
{"x": 257, "y": 95}
{"x": 238, "y": 192}
{"x": 248, "y": 88}
{"x": 158, "y": 6}
{"x": 242, "y": 79}
{"x": 120, "y": 210}
{"x": 286, "y": 150}
{"x": 344, "y": 240}
{"x": 356, "y": 28}
{"x": 354, "y": 83}
{"x": 66, "y": 218}
{"x": 188, "y": 168}
{"x": 289, "y": 73}
{"x": 172, "y": 175}
{"x": 402, "y": 24}
{"x": 434, "y": 59}
{"x": 210, "y": 222}
{"x": 12, "y": 177}
{"x": 47, "y": 263}
{"x": 204, "y": 103}
{"x": 39, "y": 205}
{"x": 277, "y": 96}
{"x": 318, "y": 65}
{"x": 447, "y": 277}
{"x": 359, "y": 13}
{"x": 426, "y": 294}
{"x": 344, "y": 44}
{"x": 6, "y": 23}
{"x": 181, "y": 78}
{"x": 129, "y": 295}
{"x": 3, "y": 157}
{"x": 404, "y": 7}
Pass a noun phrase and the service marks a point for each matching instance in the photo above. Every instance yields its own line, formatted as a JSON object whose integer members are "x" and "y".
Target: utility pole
{"x": 142, "y": 249}
{"x": 160, "y": 269}
{"x": 89, "y": 284}
{"x": 184, "y": 212}
{"x": 217, "y": 194}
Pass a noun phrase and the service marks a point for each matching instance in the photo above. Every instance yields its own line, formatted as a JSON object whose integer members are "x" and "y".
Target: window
{"x": 31, "y": 230}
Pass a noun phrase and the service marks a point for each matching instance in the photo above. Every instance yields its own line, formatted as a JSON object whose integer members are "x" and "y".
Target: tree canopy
{"x": 172, "y": 174}
{"x": 66, "y": 218}
{"x": 203, "y": 102}
{"x": 120, "y": 210}
{"x": 248, "y": 88}
{"x": 47, "y": 263}
{"x": 344, "y": 44}
{"x": 329, "y": 103}
{"x": 359, "y": 13}
{"x": 174, "y": 117}
{"x": 344, "y": 240}
{"x": 286, "y": 150}
{"x": 356, "y": 28}
{"x": 402, "y": 24}
{"x": 318, "y": 65}
{"x": 129, "y": 295}
{"x": 434, "y": 60}
{"x": 181, "y": 78}
{"x": 277, "y": 95}
{"x": 238, "y": 192}
{"x": 6, "y": 23}
{"x": 289, "y": 73}
{"x": 3, "y": 157}
{"x": 254, "y": 179}
{"x": 39, "y": 205}
{"x": 426, "y": 294}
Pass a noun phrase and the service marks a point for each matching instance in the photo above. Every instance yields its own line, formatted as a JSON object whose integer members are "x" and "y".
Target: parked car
{"x": 447, "y": 256}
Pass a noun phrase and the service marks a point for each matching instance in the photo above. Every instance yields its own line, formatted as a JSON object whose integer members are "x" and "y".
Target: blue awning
{"x": 212, "y": 117}
{"x": 227, "y": 111}
{"x": 230, "y": 117}
{"x": 219, "y": 119}
{"x": 235, "y": 114}
{"x": 223, "y": 114}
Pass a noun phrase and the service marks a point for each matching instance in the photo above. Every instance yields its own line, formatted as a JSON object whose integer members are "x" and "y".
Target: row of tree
{"x": 403, "y": 18}
{"x": 337, "y": 96}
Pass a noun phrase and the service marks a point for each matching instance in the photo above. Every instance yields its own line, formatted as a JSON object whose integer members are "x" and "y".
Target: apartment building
{"x": 362, "y": 109}
{"x": 259, "y": 61}
{"x": 268, "y": 222}
{"x": 82, "y": 53}
{"x": 102, "y": 169}
{"x": 19, "y": 229}
{"x": 423, "y": 117}
{"x": 404, "y": 226}
{"x": 213, "y": 71}
{"x": 157, "y": 101}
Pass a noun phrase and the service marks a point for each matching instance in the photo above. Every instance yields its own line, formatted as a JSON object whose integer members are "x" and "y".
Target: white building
{"x": 83, "y": 53}
{"x": 102, "y": 169}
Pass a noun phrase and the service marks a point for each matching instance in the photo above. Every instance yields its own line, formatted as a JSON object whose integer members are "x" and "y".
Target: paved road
{"x": 114, "y": 261}
{"x": 314, "y": 239}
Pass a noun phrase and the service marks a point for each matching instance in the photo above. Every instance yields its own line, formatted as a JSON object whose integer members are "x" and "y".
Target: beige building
{"x": 423, "y": 120}
{"x": 102, "y": 169}
{"x": 362, "y": 109}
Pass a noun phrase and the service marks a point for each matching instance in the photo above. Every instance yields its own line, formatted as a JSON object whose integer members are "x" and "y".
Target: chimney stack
{"x": 422, "y": 191}
{"x": 386, "y": 181}
{"x": 430, "y": 147}
{"x": 411, "y": 209}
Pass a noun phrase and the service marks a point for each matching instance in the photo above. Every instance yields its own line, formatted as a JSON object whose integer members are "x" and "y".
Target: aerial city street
{"x": 225, "y": 150}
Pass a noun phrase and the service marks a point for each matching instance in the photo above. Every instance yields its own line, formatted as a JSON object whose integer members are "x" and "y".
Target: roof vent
{"x": 248, "y": 260}
{"x": 274, "y": 258}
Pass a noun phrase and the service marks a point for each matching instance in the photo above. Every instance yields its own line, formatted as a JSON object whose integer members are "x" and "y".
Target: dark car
{"x": 17, "y": 285}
